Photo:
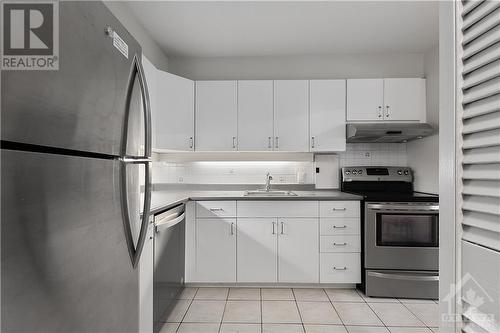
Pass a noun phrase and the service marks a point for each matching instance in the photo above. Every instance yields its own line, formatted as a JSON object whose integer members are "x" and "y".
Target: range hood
{"x": 387, "y": 132}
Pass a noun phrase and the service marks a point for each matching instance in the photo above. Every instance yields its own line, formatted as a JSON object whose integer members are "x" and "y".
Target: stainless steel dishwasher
{"x": 169, "y": 242}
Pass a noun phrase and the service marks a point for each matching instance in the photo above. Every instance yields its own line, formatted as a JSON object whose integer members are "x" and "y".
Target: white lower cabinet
{"x": 257, "y": 250}
{"x": 272, "y": 242}
{"x": 215, "y": 250}
{"x": 340, "y": 268}
{"x": 298, "y": 250}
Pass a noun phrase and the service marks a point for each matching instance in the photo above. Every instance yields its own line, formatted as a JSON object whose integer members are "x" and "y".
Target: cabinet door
{"x": 291, "y": 111}
{"x": 174, "y": 121}
{"x": 298, "y": 250}
{"x": 404, "y": 99}
{"x": 216, "y": 113}
{"x": 215, "y": 250}
{"x": 257, "y": 250}
{"x": 327, "y": 111}
{"x": 255, "y": 115}
{"x": 365, "y": 99}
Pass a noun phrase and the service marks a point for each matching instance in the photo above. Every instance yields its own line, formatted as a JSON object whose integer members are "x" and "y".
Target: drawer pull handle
{"x": 339, "y": 209}
{"x": 339, "y": 227}
{"x": 339, "y": 244}
{"x": 216, "y": 209}
{"x": 339, "y": 268}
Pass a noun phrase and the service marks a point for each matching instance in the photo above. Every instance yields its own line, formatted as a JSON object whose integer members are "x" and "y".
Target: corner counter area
{"x": 310, "y": 238}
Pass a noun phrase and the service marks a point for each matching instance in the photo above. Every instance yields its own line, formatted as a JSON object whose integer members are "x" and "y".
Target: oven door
{"x": 402, "y": 236}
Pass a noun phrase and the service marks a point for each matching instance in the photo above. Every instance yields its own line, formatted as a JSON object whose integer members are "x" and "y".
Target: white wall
{"x": 149, "y": 47}
{"x": 423, "y": 155}
{"x": 300, "y": 67}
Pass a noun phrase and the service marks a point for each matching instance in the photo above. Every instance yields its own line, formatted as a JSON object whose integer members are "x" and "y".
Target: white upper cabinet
{"x": 291, "y": 130}
{"x": 404, "y": 99}
{"x": 174, "y": 116}
{"x": 327, "y": 112}
{"x": 255, "y": 115}
{"x": 365, "y": 99}
{"x": 216, "y": 115}
{"x": 386, "y": 100}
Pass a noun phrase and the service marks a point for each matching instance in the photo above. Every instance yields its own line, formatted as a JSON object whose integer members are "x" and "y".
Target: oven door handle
{"x": 405, "y": 208}
{"x": 406, "y": 277}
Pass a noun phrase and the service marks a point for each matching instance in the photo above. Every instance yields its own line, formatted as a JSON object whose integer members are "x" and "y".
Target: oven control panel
{"x": 364, "y": 173}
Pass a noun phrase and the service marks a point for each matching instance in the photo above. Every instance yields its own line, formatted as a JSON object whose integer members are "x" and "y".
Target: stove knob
{"x": 347, "y": 172}
{"x": 406, "y": 172}
{"x": 354, "y": 172}
{"x": 400, "y": 172}
{"x": 360, "y": 172}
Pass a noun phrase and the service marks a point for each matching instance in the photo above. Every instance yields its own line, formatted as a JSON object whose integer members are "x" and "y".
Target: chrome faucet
{"x": 268, "y": 182}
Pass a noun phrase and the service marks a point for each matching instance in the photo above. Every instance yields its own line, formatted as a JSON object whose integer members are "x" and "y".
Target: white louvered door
{"x": 478, "y": 68}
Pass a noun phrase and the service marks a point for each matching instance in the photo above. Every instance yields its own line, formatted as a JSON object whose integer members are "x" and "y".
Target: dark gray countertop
{"x": 164, "y": 199}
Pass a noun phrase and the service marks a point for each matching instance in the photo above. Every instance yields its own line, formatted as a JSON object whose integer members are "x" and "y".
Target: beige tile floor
{"x": 282, "y": 310}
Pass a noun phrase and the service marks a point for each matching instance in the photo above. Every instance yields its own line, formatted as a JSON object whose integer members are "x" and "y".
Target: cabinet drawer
{"x": 340, "y": 268}
{"x": 207, "y": 209}
{"x": 344, "y": 243}
{"x": 339, "y": 209}
{"x": 339, "y": 226}
{"x": 277, "y": 209}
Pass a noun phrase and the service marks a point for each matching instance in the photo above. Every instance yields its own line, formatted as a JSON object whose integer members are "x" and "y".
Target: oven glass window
{"x": 418, "y": 230}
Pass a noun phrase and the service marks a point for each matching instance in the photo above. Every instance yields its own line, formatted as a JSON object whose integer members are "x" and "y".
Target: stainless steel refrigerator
{"x": 75, "y": 182}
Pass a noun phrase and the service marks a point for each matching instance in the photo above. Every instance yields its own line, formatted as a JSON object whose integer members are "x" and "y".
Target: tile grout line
{"x": 184, "y": 316}
{"x": 224, "y": 310}
{"x": 335, "y": 309}
{"x": 261, "y": 312}
{"x": 415, "y": 315}
{"x": 368, "y": 304}
{"x": 298, "y": 310}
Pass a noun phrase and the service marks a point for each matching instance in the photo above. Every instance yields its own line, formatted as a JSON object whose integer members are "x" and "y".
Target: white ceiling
{"x": 261, "y": 28}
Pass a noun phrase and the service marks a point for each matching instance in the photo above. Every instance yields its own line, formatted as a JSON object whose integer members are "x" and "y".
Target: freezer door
{"x": 83, "y": 105}
{"x": 65, "y": 264}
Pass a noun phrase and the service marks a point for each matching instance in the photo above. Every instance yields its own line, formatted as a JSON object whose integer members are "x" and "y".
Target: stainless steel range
{"x": 400, "y": 231}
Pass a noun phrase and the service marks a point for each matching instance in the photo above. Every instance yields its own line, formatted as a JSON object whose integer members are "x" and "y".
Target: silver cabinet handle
{"x": 312, "y": 142}
{"x": 387, "y": 114}
{"x": 191, "y": 142}
{"x": 380, "y": 111}
{"x": 216, "y": 209}
{"x": 339, "y": 244}
{"x": 269, "y": 144}
{"x": 282, "y": 228}
{"x": 339, "y": 268}
{"x": 339, "y": 227}
{"x": 232, "y": 228}
{"x": 274, "y": 228}
{"x": 339, "y": 209}
{"x": 277, "y": 144}
{"x": 234, "y": 142}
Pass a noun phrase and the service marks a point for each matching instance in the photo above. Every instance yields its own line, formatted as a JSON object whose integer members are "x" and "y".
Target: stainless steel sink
{"x": 270, "y": 193}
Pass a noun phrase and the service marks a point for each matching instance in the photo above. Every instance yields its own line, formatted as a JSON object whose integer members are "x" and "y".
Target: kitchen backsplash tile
{"x": 283, "y": 172}
{"x": 374, "y": 154}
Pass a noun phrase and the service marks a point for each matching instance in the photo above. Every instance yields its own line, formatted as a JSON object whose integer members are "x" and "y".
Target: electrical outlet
{"x": 180, "y": 180}
{"x": 282, "y": 179}
{"x": 367, "y": 154}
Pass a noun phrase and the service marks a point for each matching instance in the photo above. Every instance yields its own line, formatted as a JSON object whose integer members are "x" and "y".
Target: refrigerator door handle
{"x": 146, "y": 106}
{"x": 135, "y": 251}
